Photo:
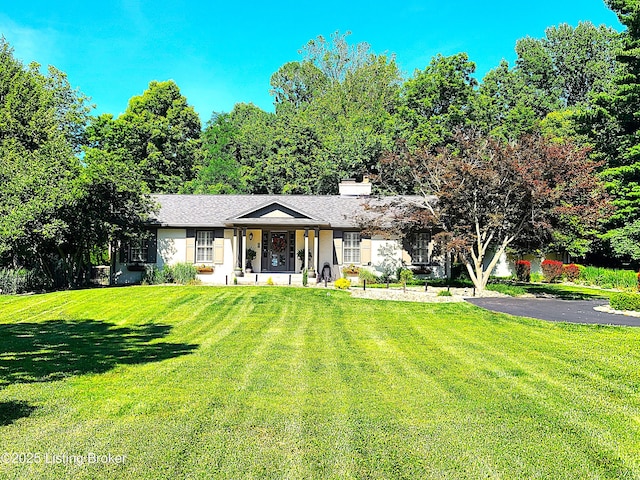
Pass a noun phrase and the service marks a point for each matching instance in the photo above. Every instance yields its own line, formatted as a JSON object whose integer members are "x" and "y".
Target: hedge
{"x": 625, "y": 301}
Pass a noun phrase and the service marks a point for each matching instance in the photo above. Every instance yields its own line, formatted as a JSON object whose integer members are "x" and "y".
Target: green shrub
{"x": 625, "y": 301}
{"x": 305, "y": 276}
{"x": 343, "y": 283}
{"x": 444, "y": 293}
{"x": 368, "y": 276}
{"x": 183, "y": 273}
{"x": 608, "y": 278}
{"x": 536, "y": 277}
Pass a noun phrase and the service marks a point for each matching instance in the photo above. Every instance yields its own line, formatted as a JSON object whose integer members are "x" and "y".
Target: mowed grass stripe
{"x": 293, "y": 383}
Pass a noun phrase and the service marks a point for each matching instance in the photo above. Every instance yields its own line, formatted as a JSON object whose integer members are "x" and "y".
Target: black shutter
{"x": 124, "y": 252}
{"x": 152, "y": 246}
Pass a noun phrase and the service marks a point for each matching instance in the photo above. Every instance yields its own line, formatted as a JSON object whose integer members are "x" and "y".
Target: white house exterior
{"x": 216, "y": 232}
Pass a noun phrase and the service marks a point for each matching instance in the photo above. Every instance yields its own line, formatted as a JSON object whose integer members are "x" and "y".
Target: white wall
{"x": 172, "y": 246}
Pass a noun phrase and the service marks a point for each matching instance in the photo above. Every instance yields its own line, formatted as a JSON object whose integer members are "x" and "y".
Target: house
{"x": 288, "y": 233}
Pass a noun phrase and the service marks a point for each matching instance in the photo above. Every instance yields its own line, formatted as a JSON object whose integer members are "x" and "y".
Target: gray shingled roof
{"x": 219, "y": 210}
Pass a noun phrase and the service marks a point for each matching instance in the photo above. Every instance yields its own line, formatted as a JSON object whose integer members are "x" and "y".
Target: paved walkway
{"x": 556, "y": 310}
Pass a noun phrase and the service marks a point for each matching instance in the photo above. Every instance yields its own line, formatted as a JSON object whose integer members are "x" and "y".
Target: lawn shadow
{"x": 12, "y": 411}
{"x": 56, "y": 349}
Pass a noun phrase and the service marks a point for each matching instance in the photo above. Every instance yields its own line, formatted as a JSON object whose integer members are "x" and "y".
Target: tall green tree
{"x": 160, "y": 132}
{"x": 437, "y": 100}
{"x": 54, "y": 211}
{"x": 614, "y": 126}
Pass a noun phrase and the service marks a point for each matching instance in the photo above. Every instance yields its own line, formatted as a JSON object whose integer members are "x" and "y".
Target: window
{"x": 420, "y": 250}
{"x": 351, "y": 248}
{"x": 204, "y": 246}
{"x": 139, "y": 251}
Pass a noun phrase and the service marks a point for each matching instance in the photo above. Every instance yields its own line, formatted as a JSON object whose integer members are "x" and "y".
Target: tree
{"x": 55, "y": 209}
{"x": 614, "y": 127}
{"x": 160, "y": 132}
{"x": 220, "y": 172}
{"x": 437, "y": 100}
{"x": 485, "y": 196}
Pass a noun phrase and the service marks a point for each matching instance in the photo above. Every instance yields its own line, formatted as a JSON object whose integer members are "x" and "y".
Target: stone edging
{"x": 608, "y": 309}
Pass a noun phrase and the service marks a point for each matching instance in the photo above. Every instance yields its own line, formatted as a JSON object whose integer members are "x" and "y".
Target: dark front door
{"x": 278, "y": 252}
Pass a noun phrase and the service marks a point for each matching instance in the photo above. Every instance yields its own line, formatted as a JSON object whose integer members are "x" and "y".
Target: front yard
{"x": 268, "y": 382}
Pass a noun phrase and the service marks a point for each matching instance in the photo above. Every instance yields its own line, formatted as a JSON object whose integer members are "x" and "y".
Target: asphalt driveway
{"x": 555, "y": 310}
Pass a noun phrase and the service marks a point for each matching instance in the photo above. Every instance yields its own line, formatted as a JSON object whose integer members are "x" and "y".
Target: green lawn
{"x": 266, "y": 382}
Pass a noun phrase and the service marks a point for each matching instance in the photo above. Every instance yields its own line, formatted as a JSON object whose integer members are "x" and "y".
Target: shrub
{"x": 552, "y": 270}
{"x": 368, "y": 276}
{"x": 608, "y": 278}
{"x": 625, "y": 301}
{"x": 523, "y": 270}
{"x": 270, "y": 281}
{"x": 343, "y": 283}
{"x": 157, "y": 276}
{"x": 305, "y": 277}
{"x": 444, "y": 293}
{"x": 571, "y": 272}
{"x": 638, "y": 285}
{"x": 183, "y": 273}
{"x": 536, "y": 277}
{"x": 406, "y": 276}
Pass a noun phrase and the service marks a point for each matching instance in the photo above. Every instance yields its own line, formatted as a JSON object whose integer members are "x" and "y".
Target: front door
{"x": 278, "y": 252}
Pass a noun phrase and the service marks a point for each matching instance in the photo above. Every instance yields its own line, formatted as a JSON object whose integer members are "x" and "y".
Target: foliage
{"x": 444, "y": 293}
{"x": 218, "y": 171}
{"x": 607, "y": 278}
{"x": 269, "y": 281}
{"x": 368, "y": 276}
{"x": 405, "y": 276}
{"x": 184, "y": 273}
{"x": 625, "y": 301}
{"x": 511, "y": 290}
{"x": 14, "y": 281}
{"x": 342, "y": 283}
{"x": 552, "y": 270}
{"x": 436, "y": 101}
{"x": 157, "y": 276}
{"x": 488, "y": 195}
{"x": 57, "y": 212}
{"x": 571, "y": 272}
{"x": 159, "y": 133}
{"x": 351, "y": 270}
{"x": 523, "y": 270}
{"x": 305, "y": 277}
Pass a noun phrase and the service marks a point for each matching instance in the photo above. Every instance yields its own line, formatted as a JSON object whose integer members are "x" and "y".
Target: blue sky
{"x": 220, "y": 54}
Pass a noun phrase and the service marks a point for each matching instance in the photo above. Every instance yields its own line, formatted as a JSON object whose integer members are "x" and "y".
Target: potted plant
{"x": 205, "y": 268}
{"x": 251, "y": 256}
{"x": 300, "y": 254}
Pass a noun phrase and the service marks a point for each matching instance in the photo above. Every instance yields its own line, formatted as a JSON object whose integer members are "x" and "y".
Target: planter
{"x": 136, "y": 267}
{"x": 205, "y": 270}
{"x": 238, "y": 272}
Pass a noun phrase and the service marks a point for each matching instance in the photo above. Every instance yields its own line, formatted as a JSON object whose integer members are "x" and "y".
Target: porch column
{"x": 244, "y": 248}
{"x": 316, "y": 243}
{"x": 235, "y": 247}
{"x": 306, "y": 248}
